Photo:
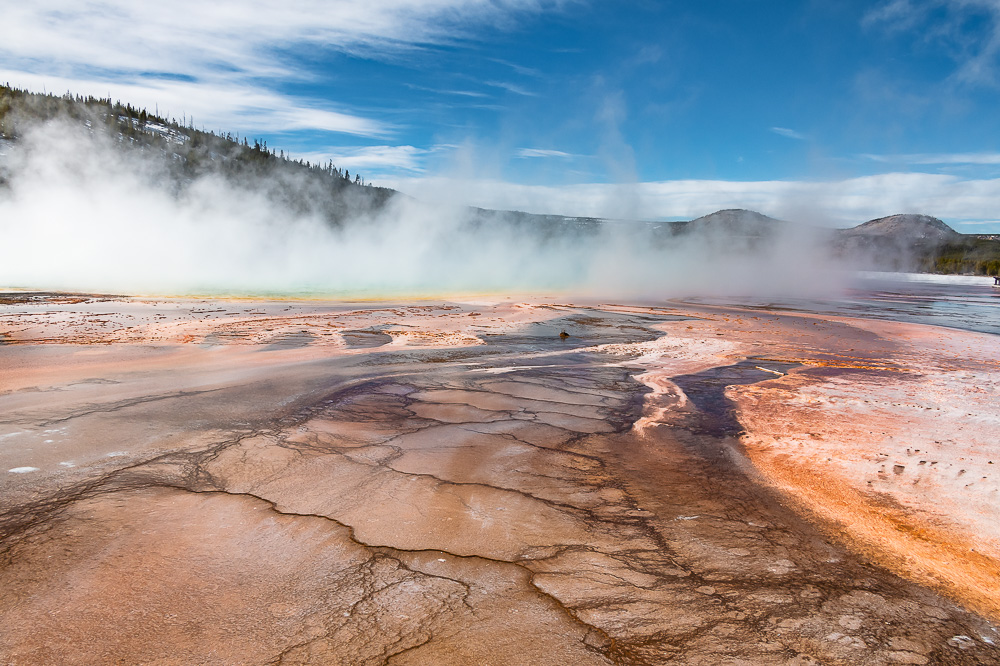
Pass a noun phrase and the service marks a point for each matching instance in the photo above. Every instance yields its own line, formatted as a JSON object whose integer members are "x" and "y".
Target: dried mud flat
{"x": 236, "y": 482}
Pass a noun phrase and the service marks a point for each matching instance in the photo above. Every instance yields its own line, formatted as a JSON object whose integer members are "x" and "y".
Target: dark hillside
{"x": 906, "y": 228}
{"x": 737, "y": 222}
{"x": 964, "y": 255}
{"x": 918, "y": 243}
{"x": 189, "y": 153}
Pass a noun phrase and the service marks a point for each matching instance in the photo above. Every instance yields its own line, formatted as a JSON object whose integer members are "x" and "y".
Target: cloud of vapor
{"x": 840, "y": 203}
{"x": 78, "y": 212}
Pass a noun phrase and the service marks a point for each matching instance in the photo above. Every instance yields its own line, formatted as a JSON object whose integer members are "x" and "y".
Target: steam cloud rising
{"x": 79, "y": 213}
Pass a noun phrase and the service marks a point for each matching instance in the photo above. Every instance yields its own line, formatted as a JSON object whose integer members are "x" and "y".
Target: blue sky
{"x": 830, "y": 112}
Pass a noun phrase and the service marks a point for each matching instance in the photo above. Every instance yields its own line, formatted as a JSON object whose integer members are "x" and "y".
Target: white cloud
{"x": 938, "y": 158}
{"x": 520, "y": 69}
{"x": 836, "y": 203}
{"x": 190, "y": 54}
{"x": 437, "y": 91}
{"x": 214, "y": 105}
{"x": 511, "y": 87}
{"x": 895, "y": 14}
{"x": 976, "y": 50}
{"x": 789, "y": 133}
{"x": 375, "y": 158}
{"x": 189, "y": 35}
{"x": 541, "y": 152}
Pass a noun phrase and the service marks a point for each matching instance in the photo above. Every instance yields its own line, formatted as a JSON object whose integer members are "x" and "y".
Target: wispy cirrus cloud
{"x": 373, "y": 159}
{"x": 213, "y": 105}
{"x": 238, "y": 48}
{"x": 447, "y": 91}
{"x": 543, "y": 153}
{"x": 511, "y": 87}
{"x": 520, "y": 69}
{"x": 893, "y": 14}
{"x": 946, "y": 23}
{"x": 937, "y": 158}
{"x": 190, "y": 35}
{"x": 788, "y": 133}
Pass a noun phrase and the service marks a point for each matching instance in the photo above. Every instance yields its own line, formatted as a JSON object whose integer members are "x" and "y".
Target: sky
{"x": 824, "y": 112}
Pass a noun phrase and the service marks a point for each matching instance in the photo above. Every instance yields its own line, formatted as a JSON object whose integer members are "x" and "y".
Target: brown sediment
{"x": 479, "y": 490}
{"x": 885, "y": 532}
{"x": 921, "y": 533}
{"x": 863, "y": 458}
{"x": 845, "y": 364}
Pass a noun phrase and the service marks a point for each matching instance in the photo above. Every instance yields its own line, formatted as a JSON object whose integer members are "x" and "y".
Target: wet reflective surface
{"x": 707, "y": 392}
{"x": 970, "y": 303}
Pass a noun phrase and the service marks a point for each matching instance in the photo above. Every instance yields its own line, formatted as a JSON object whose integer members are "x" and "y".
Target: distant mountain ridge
{"x": 738, "y": 220}
{"x": 900, "y": 242}
{"x": 904, "y": 226}
{"x": 917, "y": 242}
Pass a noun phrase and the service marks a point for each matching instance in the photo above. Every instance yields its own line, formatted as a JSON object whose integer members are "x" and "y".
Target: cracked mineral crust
{"x": 333, "y": 483}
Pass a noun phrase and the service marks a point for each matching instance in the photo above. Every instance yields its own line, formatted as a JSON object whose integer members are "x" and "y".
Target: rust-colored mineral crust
{"x": 287, "y": 482}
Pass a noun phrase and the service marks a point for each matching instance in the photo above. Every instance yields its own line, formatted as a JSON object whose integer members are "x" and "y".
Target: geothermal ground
{"x": 453, "y": 482}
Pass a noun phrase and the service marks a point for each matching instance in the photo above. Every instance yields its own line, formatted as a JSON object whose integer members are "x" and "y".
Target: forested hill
{"x": 322, "y": 189}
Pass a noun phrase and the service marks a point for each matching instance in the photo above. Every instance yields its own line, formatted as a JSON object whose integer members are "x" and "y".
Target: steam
{"x": 79, "y": 213}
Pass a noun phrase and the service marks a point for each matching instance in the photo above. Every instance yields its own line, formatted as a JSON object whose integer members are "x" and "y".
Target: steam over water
{"x": 79, "y": 213}
{"x": 964, "y": 302}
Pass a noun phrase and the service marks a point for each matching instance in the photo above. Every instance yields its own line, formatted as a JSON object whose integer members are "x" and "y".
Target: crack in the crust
{"x": 21, "y": 519}
{"x": 371, "y": 591}
{"x": 192, "y": 473}
{"x": 570, "y": 441}
{"x": 466, "y": 586}
{"x": 353, "y": 538}
{"x": 112, "y": 407}
{"x": 411, "y": 648}
{"x": 595, "y": 577}
{"x": 572, "y": 612}
{"x": 637, "y": 553}
{"x": 447, "y": 482}
{"x": 18, "y": 520}
{"x": 601, "y": 407}
{"x": 398, "y": 452}
{"x": 528, "y": 381}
